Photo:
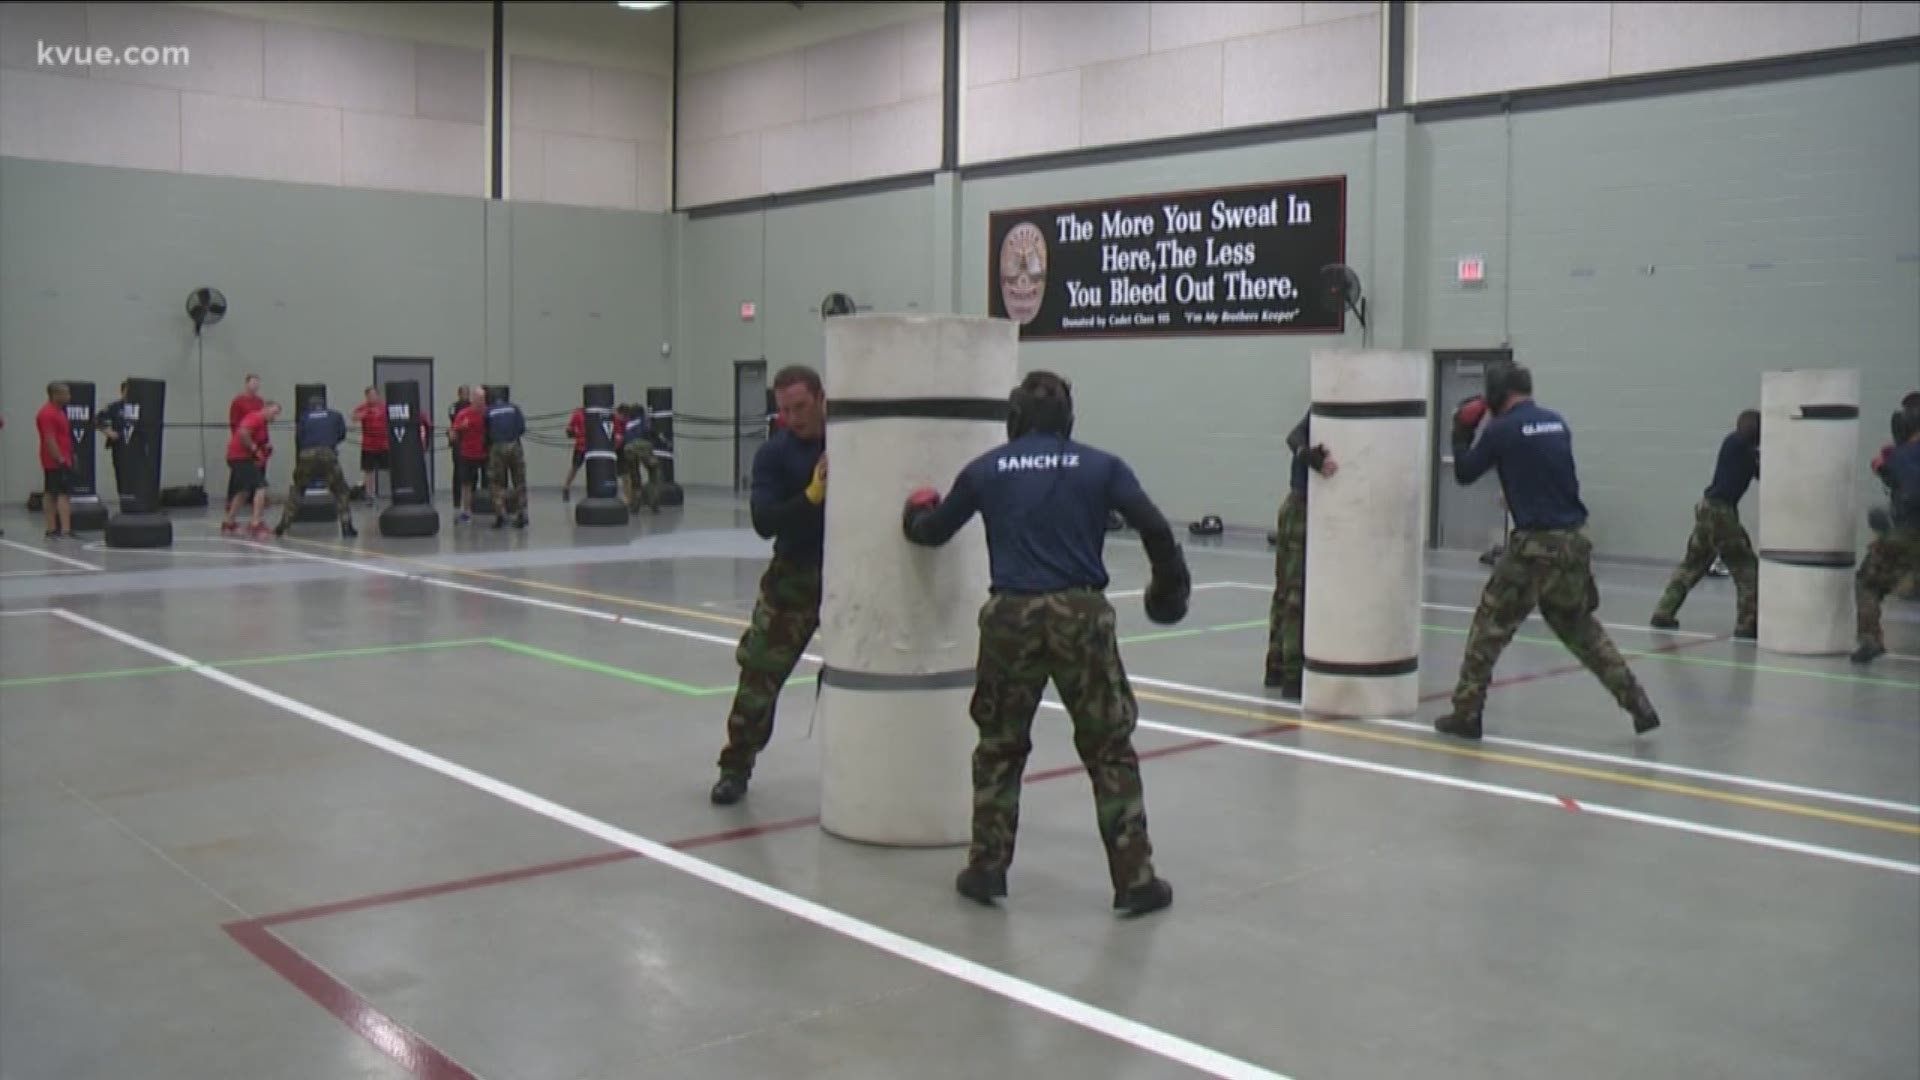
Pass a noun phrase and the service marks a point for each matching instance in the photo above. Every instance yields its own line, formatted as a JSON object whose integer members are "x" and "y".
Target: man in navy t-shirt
{"x": 1045, "y": 499}
{"x": 1717, "y": 532}
{"x": 788, "y": 504}
{"x": 1895, "y": 553}
{"x": 1548, "y": 559}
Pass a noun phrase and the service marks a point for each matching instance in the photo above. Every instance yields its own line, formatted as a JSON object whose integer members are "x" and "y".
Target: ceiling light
{"x": 642, "y": 5}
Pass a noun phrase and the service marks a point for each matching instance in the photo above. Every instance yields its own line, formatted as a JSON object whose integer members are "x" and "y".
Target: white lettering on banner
{"x": 399, "y": 412}
{"x": 1544, "y": 427}
{"x": 1114, "y": 223}
{"x": 1241, "y": 286}
{"x": 79, "y": 414}
{"x": 1035, "y": 462}
{"x": 1266, "y": 215}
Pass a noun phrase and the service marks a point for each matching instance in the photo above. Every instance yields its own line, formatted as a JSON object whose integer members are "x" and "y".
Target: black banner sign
{"x": 1243, "y": 260}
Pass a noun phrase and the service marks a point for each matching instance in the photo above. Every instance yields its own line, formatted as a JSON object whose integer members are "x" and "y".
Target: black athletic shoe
{"x": 1645, "y": 719}
{"x": 499, "y": 523}
{"x": 1461, "y": 727}
{"x": 280, "y": 530}
{"x": 981, "y": 886}
{"x": 1144, "y": 899}
{"x": 521, "y": 521}
{"x": 1866, "y": 652}
{"x": 1746, "y": 633}
{"x": 347, "y": 530}
{"x": 729, "y": 789}
{"x": 1664, "y": 622}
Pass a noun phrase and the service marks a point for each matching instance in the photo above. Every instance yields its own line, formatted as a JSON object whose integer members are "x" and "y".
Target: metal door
{"x": 1471, "y": 517}
{"x": 749, "y": 418}
{"x": 388, "y": 369}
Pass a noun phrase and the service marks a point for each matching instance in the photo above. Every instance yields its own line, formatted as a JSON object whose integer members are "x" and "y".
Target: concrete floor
{"x": 315, "y": 808}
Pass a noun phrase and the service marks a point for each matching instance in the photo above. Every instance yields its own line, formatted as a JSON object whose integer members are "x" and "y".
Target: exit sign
{"x": 746, "y": 311}
{"x": 1472, "y": 270}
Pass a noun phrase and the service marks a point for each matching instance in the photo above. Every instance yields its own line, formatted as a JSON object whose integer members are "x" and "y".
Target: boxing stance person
{"x": 1045, "y": 499}
{"x": 1717, "y": 532}
{"x": 316, "y": 443}
{"x": 506, "y": 461}
{"x": 248, "y": 449}
{"x": 1548, "y": 560}
{"x": 1896, "y": 551}
{"x": 788, "y": 500}
{"x": 376, "y": 441}
{"x": 1288, "y": 613}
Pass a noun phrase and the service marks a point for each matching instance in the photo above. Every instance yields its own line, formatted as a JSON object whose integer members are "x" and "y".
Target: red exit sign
{"x": 1472, "y": 270}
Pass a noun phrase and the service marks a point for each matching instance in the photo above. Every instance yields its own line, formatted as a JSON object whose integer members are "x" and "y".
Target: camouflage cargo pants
{"x": 784, "y": 619}
{"x": 1554, "y": 570}
{"x": 1890, "y": 558}
{"x": 1716, "y": 531}
{"x": 507, "y": 463}
{"x": 636, "y": 462}
{"x": 312, "y": 465}
{"x": 1288, "y": 613}
{"x": 1069, "y": 638}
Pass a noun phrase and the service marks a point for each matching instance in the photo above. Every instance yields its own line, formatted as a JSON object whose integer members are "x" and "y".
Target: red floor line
{"x": 424, "y": 1061}
{"x": 416, "y": 1055}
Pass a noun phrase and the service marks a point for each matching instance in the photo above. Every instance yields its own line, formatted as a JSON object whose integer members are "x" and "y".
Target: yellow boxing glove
{"x": 817, "y": 490}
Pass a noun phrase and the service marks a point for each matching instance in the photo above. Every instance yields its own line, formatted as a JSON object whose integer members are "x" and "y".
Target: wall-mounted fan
{"x": 838, "y": 303}
{"x": 205, "y": 307}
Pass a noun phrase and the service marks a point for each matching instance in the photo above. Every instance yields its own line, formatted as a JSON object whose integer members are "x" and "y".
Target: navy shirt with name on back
{"x": 782, "y": 469}
{"x": 1045, "y": 500}
{"x": 1532, "y": 449}
{"x": 505, "y": 422}
{"x": 1737, "y": 467}
{"x": 322, "y": 429}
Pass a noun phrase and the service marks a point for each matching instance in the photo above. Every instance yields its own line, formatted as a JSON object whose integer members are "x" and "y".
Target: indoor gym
{"x": 313, "y": 806}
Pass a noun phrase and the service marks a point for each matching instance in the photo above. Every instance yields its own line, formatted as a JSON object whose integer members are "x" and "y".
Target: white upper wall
{"x": 813, "y": 99}
{"x": 382, "y": 96}
{"x": 1463, "y": 49}
{"x": 1040, "y": 78}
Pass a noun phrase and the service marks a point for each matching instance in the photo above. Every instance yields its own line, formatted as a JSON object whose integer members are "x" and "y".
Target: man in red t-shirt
{"x": 576, "y": 427}
{"x": 376, "y": 452}
{"x": 244, "y": 404}
{"x": 470, "y": 435}
{"x": 247, "y": 453}
{"x": 55, "y": 436}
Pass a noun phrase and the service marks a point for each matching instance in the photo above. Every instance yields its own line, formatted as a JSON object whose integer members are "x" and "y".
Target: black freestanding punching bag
{"x": 482, "y": 495}
{"x": 411, "y": 512}
{"x": 140, "y": 524}
{"x": 602, "y": 506}
{"x": 315, "y": 503}
{"x": 89, "y": 513}
{"x": 660, "y": 411}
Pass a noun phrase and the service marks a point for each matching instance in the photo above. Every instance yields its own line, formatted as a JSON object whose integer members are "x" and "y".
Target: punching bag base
{"x": 315, "y": 509}
{"x": 89, "y": 515}
{"x": 894, "y": 766}
{"x": 672, "y": 495}
{"x": 410, "y": 521}
{"x": 600, "y": 512}
{"x": 140, "y": 531}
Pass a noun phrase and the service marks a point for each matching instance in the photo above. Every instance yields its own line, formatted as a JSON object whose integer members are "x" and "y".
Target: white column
{"x": 1366, "y": 550}
{"x": 910, "y": 400}
{"x": 1809, "y": 505}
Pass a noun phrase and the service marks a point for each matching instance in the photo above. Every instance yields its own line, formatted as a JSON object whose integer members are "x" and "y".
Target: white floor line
{"x": 50, "y": 572}
{"x": 50, "y": 555}
{"x": 1565, "y": 751}
{"x": 1539, "y": 798}
{"x": 1734, "y": 779}
{"x": 1905, "y": 658}
{"x": 1072, "y": 1010}
{"x": 15, "y": 613}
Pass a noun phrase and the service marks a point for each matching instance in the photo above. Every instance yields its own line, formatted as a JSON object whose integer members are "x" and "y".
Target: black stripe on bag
{"x": 918, "y": 409}
{"x": 1370, "y": 410}
{"x": 1826, "y": 560}
{"x": 842, "y": 679}
{"x": 1829, "y": 412}
{"x": 1379, "y": 670}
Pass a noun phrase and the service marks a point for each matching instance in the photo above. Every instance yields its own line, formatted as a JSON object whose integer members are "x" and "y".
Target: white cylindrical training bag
{"x": 1809, "y": 500}
{"x": 1366, "y": 554}
{"x": 911, "y": 399}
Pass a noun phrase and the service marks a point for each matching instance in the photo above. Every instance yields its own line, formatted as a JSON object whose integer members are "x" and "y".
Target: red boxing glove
{"x": 1471, "y": 412}
{"x": 924, "y": 498}
{"x": 1880, "y": 459}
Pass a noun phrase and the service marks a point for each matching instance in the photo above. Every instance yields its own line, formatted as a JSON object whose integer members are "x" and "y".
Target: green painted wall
{"x": 1667, "y": 252}
{"x": 96, "y": 264}
{"x": 876, "y": 248}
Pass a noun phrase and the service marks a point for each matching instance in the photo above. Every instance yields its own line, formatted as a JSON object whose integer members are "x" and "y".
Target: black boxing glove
{"x": 1168, "y": 593}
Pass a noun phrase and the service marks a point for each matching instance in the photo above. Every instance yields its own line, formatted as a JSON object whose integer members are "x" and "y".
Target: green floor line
{"x": 251, "y": 661}
{"x": 643, "y": 679}
{"x": 1167, "y": 635}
